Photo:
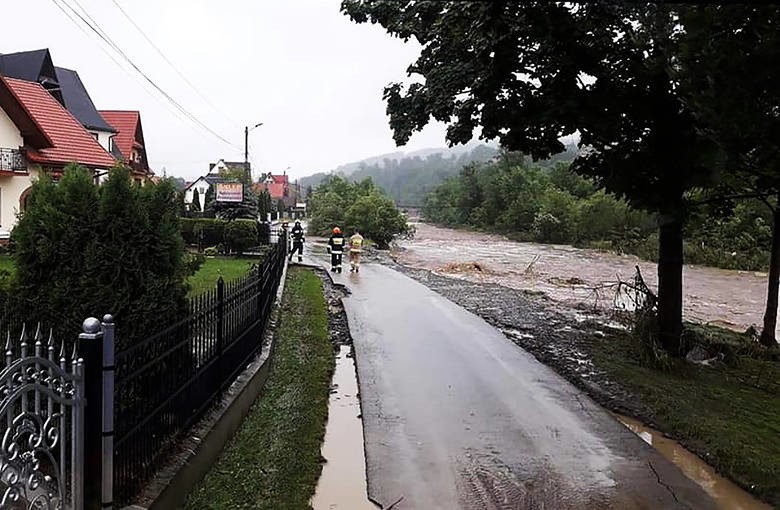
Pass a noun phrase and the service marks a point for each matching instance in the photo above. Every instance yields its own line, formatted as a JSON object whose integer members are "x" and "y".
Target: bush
{"x": 202, "y": 231}
{"x": 85, "y": 250}
{"x": 192, "y": 262}
{"x": 240, "y": 235}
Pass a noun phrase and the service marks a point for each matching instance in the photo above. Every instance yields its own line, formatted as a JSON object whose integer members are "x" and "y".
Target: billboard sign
{"x": 230, "y": 192}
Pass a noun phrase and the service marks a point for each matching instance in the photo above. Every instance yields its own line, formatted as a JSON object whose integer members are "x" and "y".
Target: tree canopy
{"x": 531, "y": 73}
{"x": 355, "y": 205}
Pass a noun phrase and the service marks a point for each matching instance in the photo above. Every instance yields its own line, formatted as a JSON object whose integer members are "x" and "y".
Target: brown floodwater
{"x": 342, "y": 484}
{"x": 568, "y": 275}
{"x": 726, "y": 494}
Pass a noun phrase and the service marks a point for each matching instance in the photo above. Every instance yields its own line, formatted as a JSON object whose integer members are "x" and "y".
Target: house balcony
{"x": 138, "y": 167}
{"x": 12, "y": 160}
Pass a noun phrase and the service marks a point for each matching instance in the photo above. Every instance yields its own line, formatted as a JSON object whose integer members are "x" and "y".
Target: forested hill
{"x": 407, "y": 179}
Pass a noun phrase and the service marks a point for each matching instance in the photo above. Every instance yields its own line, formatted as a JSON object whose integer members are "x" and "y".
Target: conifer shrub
{"x": 85, "y": 250}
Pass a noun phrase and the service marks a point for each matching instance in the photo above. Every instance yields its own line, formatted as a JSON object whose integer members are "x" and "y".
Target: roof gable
{"x": 70, "y": 142}
{"x": 126, "y": 123}
{"x": 76, "y": 99}
{"x": 31, "y": 131}
{"x": 34, "y": 66}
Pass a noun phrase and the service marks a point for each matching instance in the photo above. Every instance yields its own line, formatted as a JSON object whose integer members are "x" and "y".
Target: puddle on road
{"x": 726, "y": 494}
{"x": 342, "y": 485}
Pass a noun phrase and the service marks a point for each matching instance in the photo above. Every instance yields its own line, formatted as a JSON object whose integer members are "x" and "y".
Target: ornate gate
{"x": 42, "y": 424}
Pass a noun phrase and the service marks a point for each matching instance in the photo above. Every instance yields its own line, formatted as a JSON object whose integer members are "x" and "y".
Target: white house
{"x": 37, "y": 134}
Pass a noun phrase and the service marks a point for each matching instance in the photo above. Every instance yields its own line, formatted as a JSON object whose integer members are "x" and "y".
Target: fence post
{"x": 220, "y": 315}
{"x": 90, "y": 346}
{"x": 109, "y": 331}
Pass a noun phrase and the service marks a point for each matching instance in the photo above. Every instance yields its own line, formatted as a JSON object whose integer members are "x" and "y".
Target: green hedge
{"x": 235, "y": 236}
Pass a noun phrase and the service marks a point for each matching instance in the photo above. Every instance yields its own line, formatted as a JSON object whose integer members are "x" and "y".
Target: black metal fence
{"x": 166, "y": 382}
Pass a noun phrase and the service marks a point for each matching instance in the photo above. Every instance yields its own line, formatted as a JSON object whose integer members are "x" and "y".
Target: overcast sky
{"x": 303, "y": 69}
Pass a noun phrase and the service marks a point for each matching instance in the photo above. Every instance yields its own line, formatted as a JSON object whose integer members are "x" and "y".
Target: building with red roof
{"x": 128, "y": 144}
{"x": 37, "y": 134}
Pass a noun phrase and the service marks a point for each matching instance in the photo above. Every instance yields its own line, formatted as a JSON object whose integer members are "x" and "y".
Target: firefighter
{"x": 355, "y": 248}
{"x": 297, "y": 241}
{"x": 336, "y": 249}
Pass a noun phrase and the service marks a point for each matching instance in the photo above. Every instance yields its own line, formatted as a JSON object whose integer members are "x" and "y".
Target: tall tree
{"x": 530, "y": 73}
{"x": 733, "y": 86}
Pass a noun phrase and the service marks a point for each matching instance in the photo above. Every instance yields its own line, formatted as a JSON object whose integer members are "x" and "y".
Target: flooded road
{"x": 342, "y": 485}
{"x": 733, "y": 299}
{"x": 726, "y": 494}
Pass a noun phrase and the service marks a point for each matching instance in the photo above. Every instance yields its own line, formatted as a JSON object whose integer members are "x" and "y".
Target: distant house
{"x": 128, "y": 143}
{"x": 37, "y": 134}
{"x": 222, "y": 165}
{"x": 280, "y": 188}
{"x": 202, "y": 184}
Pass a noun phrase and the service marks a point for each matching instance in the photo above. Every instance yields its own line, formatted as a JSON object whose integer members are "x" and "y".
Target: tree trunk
{"x": 670, "y": 264}
{"x": 770, "y": 314}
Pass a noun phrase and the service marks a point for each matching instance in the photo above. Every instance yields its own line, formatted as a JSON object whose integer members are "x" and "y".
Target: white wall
{"x": 104, "y": 139}
{"x": 11, "y": 189}
{"x": 202, "y": 186}
{"x": 10, "y": 137}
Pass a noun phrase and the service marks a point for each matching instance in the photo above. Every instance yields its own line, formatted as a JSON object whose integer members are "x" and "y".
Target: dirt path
{"x": 567, "y": 275}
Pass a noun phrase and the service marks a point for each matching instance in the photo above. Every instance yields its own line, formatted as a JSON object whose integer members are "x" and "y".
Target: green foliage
{"x": 83, "y": 250}
{"x": 407, "y": 180}
{"x": 240, "y": 236}
{"x": 202, "y": 231}
{"x": 264, "y": 204}
{"x": 210, "y": 196}
{"x": 192, "y": 262}
{"x": 195, "y": 205}
{"x": 376, "y": 217}
{"x": 355, "y": 205}
{"x": 230, "y": 211}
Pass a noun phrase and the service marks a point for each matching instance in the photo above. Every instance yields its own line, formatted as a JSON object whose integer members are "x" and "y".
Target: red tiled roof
{"x": 71, "y": 142}
{"x": 126, "y": 123}
{"x": 276, "y": 189}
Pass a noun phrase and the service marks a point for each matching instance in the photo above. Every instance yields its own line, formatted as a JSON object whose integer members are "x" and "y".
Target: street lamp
{"x": 247, "y": 129}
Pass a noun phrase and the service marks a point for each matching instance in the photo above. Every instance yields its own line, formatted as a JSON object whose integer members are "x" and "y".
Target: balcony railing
{"x": 12, "y": 160}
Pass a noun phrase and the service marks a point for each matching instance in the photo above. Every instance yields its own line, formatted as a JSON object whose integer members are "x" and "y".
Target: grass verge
{"x": 208, "y": 273}
{"x": 273, "y": 461}
{"x": 729, "y": 414}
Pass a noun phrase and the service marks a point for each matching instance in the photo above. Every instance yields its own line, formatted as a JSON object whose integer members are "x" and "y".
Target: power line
{"x": 118, "y": 64}
{"x": 164, "y": 57}
{"x": 107, "y": 39}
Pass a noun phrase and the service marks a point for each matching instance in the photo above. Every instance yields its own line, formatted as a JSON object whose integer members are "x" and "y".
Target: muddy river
{"x": 568, "y": 275}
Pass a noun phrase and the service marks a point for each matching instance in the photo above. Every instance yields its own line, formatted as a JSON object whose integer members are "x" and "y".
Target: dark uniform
{"x": 336, "y": 248}
{"x": 297, "y": 241}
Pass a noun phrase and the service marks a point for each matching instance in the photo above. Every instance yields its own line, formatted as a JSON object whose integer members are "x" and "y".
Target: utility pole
{"x": 246, "y": 149}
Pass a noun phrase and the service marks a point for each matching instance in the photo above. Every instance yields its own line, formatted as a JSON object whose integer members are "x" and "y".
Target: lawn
{"x": 728, "y": 414}
{"x": 208, "y": 274}
{"x": 274, "y": 461}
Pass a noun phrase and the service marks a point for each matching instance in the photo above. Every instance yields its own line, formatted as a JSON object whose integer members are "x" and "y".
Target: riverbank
{"x": 728, "y": 414}
{"x": 274, "y": 461}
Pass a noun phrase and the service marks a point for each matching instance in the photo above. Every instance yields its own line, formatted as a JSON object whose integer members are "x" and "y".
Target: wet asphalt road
{"x": 457, "y": 416}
